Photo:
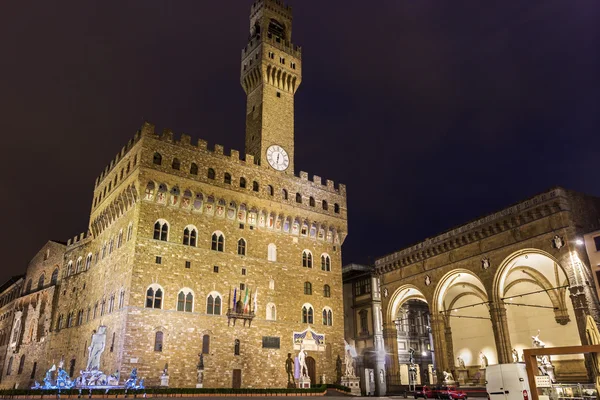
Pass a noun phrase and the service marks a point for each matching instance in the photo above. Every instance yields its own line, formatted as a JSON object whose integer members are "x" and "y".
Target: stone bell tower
{"x": 271, "y": 74}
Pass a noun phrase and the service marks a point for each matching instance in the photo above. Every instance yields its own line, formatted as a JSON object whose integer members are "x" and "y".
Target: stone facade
{"x": 9, "y": 293}
{"x": 174, "y": 226}
{"x": 522, "y": 269}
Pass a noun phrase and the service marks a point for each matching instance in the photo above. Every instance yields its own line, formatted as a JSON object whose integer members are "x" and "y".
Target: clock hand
{"x": 277, "y": 158}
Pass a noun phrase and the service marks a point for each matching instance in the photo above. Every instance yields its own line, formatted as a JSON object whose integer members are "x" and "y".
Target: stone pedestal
{"x": 353, "y": 383}
{"x": 463, "y": 376}
{"x": 482, "y": 376}
{"x": 303, "y": 382}
{"x": 164, "y": 380}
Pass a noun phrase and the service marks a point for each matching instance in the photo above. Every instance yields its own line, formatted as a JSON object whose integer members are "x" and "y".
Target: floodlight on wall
{"x": 579, "y": 242}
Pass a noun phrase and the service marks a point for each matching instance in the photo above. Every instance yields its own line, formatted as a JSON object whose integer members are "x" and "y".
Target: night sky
{"x": 431, "y": 112}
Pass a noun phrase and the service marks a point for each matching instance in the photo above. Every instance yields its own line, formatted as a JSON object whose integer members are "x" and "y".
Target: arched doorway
{"x": 462, "y": 302}
{"x": 312, "y": 369}
{"x": 533, "y": 288}
{"x": 414, "y": 357}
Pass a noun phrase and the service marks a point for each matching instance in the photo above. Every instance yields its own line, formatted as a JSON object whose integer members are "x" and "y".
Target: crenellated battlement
{"x": 82, "y": 238}
{"x": 184, "y": 141}
{"x": 288, "y": 47}
{"x": 125, "y": 150}
{"x": 276, "y": 4}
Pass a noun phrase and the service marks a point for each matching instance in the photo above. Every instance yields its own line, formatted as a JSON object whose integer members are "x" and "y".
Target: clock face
{"x": 278, "y": 158}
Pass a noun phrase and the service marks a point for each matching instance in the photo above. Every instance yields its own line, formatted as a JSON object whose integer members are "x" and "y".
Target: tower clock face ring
{"x": 278, "y": 158}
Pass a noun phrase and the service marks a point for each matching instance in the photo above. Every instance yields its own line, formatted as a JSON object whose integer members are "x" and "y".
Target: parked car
{"x": 425, "y": 392}
{"x": 450, "y": 392}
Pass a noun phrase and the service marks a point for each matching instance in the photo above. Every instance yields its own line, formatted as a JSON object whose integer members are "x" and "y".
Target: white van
{"x": 507, "y": 382}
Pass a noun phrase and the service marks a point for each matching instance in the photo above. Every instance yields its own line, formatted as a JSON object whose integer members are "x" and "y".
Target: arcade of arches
{"x": 464, "y": 316}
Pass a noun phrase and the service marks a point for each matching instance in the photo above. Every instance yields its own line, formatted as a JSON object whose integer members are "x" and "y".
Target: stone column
{"x": 437, "y": 331}
{"x": 390, "y": 337}
{"x": 380, "y": 378}
{"x": 501, "y": 334}
{"x": 449, "y": 346}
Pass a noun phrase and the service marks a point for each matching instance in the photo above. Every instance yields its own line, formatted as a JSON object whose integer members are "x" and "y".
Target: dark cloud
{"x": 431, "y": 112}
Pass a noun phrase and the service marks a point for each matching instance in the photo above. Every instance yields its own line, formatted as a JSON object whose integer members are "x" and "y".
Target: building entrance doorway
{"x": 312, "y": 369}
{"x": 237, "y": 379}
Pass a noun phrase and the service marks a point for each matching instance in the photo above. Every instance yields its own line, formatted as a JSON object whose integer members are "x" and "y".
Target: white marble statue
{"x": 302, "y": 362}
{"x": 349, "y": 361}
{"x": 544, "y": 363}
{"x": 96, "y": 348}
{"x": 537, "y": 342}
{"x": 461, "y": 362}
{"x": 515, "y": 356}
{"x": 483, "y": 361}
{"x": 448, "y": 377}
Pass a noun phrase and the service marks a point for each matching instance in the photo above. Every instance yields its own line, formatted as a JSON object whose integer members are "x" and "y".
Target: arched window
{"x": 21, "y": 365}
{"x": 29, "y": 283}
{"x": 227, "y": 178}
{"x": 325, "y": 205}
{"x": 120, "y": 239}
{"x": 218, "y": 242}
{"x": 336, "y": 208}
{"x": 271, "y": 312}
{"x": 205, "y": 344}
{"x": 190, "y": 236}
{"x": 154, "y": 296}
{"x": 69, "y": 320}
{"x": 255, "y": 186}
{"x": 158, "y": 341}
{"x": 185, "y": 300}
{"x": 194, "y": 169}
{"x": 54, "y": 278}
{"x": 111, "y": 303}
{"x": 270, "y": 190}
{"x": 272, "y": 252}
{"x": 307, "y": 288}
{"x": 325, "y": 263}
{"x": 236, "y": 347}
{"x": 149, "y": 194}
{"x": 9, "y": 368}
{"x": 211, "y": 173}
{"x": 326, "y": 291}
{"x": 241, "y": 249}
{"x": 129, "y": 231}
{"x": 59, "y": 323}
{"x": 284, "y": 194}
{"x": 161, "y": 230}
{"x": 157, "y": 159}
{"x": 298, "y": 198}
{"x": 327, "y": 317}
{"x": 243, "y": 183}
{"x": 78, "y": 264}
{"x": 213, "y": 304}
{"x": 307, "y": 261}
{"x": 80, "y": 317}
{"x": 176, "y": 164}
{"x": 41, "y": 281}
{"x": 311, "y": 201}
{"x": 307, "y": 314}
{"x": 121, "y": 299}
{"x": 88, "y": 261}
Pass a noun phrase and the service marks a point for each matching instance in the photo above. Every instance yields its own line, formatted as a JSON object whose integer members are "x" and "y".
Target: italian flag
{"x": 246, "y": 301}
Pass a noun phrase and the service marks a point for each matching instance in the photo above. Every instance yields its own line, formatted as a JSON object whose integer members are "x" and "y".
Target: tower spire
{"x": 271, "y": 73}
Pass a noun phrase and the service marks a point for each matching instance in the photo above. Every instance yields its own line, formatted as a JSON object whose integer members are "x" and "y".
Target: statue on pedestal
{"x": 302, "y": 361}
{"x": 544, "y": 364}
{"x": 448, "y": 378}
{"x": 289, "y": 369}
{"x": 461, "y": 362}
{"x": 483, "y": 360}
{"x": 96, "y": 348}
{"x": 515, "y": 356}
{"x": 338, "y": 368}
{"x": 349, "y": 361}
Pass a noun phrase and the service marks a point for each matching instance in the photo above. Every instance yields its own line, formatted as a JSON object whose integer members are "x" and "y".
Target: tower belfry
{"x": 271, "y": 74}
